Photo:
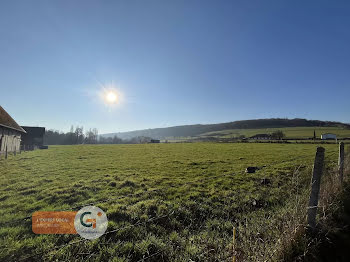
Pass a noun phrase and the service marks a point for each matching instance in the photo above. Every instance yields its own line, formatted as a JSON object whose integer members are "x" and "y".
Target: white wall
{"x": 328, "y": 136}
{"x": 10, "y": 140}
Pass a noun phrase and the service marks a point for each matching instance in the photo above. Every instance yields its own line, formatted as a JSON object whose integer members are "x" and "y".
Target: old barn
{"x": 33, "y": 138}
{"x": 10, "y": 134}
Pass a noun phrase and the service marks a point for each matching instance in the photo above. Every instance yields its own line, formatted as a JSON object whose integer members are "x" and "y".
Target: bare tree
{"x": 79, "y": 135}
{"x": 91, "y": 136}
{"x": 278, "y": 135}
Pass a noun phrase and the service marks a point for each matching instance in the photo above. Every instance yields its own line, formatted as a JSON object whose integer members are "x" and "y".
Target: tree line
{"x": 73, "y": 137}
{"x": 76, "y": 136}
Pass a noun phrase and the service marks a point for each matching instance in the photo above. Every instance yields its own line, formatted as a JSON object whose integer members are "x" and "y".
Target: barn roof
{"x": 34, "y": 131}
{"x": 7, "y": 121}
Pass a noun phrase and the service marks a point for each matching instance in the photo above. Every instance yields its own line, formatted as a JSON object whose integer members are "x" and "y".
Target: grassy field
{"x": 165, "y": 202}
{"x": 290, "y": 132}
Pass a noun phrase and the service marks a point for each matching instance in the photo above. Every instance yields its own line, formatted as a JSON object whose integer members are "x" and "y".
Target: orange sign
{"x": 53, "y": 222}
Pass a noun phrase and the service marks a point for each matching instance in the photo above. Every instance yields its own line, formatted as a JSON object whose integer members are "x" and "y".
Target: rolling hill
{"x": 197, "y": 130}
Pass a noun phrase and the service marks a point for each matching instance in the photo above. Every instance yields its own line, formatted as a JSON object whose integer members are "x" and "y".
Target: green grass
{"x": 290, "y": 132}
{"x": 202, "y": 191}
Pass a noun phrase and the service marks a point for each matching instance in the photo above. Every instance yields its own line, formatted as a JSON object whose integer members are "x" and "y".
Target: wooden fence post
{"x": 234, "y": 245}
{"x": 315, "y": 187}
{"x": 341, "y": 162}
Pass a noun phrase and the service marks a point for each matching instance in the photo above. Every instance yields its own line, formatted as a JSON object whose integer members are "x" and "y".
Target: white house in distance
{"x": 328, "y": 136}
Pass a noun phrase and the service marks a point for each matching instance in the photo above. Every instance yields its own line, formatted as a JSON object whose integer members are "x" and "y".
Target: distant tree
{"x": 109, "y": 140}
{"x": 81, "y": 135}
{"x": 78, "y": 135}
{"x": 117, "y": 140}
{"x": 103, "y": 140}
{"x": 89, "y": 137}
{"x": 95, "y": 135}
{"x": 278, "y": 135}
{"x": 53, "y": 137}
{"x": 71, "y": 136}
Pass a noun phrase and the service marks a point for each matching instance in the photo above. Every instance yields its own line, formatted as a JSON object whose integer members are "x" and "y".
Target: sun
{"x": 111, "y": 97}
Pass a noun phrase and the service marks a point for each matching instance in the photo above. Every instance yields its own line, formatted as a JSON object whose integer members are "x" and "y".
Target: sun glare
{"x": 111, "y": 97}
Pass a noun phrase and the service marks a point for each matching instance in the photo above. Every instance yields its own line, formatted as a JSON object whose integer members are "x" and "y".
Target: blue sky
{"x": 173, "y": 62}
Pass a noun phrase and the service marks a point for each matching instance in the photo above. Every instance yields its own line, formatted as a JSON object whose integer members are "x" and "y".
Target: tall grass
{"x": 301, "y": 244}
{"x": 282, "y": 234}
